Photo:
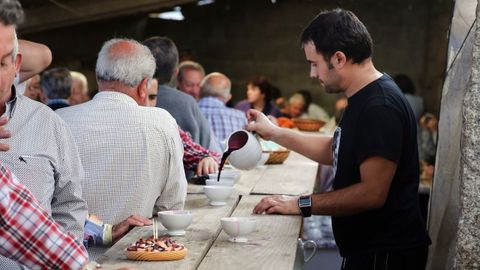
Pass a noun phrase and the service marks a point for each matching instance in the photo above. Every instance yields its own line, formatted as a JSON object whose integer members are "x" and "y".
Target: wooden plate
{"x": 156, "y": 256}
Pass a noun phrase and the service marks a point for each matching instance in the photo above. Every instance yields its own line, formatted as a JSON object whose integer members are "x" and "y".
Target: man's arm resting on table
{"x": 371, "y": 193}
{"x": 376, "y": 173}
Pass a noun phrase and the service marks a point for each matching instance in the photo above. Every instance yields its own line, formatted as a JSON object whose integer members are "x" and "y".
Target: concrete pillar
{"x": 454, "y": 221}
{"x": 468, "y": 236}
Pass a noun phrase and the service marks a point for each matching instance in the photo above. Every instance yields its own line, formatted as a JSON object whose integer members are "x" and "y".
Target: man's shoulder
{"x": 32, "y": 109}
{"x": 171, "y": 96}
{"x": 73, "y": 111}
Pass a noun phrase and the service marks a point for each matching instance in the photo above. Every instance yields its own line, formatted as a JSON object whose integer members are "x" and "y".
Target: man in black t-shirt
{"x": 374, "y": 205}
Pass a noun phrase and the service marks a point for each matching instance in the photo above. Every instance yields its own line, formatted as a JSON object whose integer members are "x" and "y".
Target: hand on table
{"x": 207, "y": 165}
{"x": 261, "y": 124}
{"x": 278, "y": 204}
{"x": 4, "y": 134}
{"x": 120, "y": 229}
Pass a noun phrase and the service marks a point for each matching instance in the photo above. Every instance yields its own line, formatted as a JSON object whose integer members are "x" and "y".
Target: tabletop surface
{"x": 271, "y": 246}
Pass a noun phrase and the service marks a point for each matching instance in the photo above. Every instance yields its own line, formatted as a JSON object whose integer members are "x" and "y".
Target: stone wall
{"x": 244, "y": 38}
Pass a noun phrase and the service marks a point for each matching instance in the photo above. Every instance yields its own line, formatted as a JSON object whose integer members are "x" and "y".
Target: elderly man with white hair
{"x": 132, "y": 154}
{"x": 215, "y": 93}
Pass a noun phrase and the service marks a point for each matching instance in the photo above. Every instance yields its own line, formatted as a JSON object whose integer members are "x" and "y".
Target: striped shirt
{"x": 29, "y": 235}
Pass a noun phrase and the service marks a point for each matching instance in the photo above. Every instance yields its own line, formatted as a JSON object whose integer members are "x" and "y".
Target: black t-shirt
{"x": 379, "y": 122}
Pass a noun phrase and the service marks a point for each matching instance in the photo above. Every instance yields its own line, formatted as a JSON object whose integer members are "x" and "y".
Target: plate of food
{"x": 156, "y": 249}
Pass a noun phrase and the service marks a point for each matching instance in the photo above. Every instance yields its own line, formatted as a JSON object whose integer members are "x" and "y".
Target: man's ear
{"x": 142, "y": 91}
{"x": 227, "y": 99}
{"x": 339, "y": 59}
{"x": 18, "y": 63}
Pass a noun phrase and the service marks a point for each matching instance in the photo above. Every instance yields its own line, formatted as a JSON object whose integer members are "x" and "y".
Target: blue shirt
{"x": 222, "y": 119}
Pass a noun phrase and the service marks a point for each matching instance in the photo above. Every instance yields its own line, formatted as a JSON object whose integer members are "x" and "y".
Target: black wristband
{"x": 305, "y": 205}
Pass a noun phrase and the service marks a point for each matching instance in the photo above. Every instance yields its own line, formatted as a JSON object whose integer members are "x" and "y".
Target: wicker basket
{"x": 277, "y": 157}
{"x": 308, "y": 124}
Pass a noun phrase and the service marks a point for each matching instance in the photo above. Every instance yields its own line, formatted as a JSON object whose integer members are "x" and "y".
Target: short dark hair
{"x": 56, "y": 83}
{"x": 265, "y": 88}
{"x": 166, "y": 57}
{"x": 339, "y": 30}
{"x": 405, "y": 84}
{"x": 11, "y": 12}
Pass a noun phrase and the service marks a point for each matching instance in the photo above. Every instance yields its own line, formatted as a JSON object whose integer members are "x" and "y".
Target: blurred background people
{"x": 79, "y": 92}
{"x": 181, "y": 106}
{"x": 33, "y": 89}
{"x": 428, "y": 138}
{"x": 408, "y": 88}
{"x": 312, "y": 110}
{"x": 215, "y": 93}
{"x": 190, "y": 75}
{"x": 56, "y": 84}
{"x": 259, "y": 97}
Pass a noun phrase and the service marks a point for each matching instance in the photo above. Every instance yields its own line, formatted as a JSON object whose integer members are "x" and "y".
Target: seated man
{"x": 56, "y": 84}
{"x": 189, "y": 77}
{"x": 132, "y": 154}
{"x": 195, "y": 158}
{"x": 79, "y": 93}
{"x": 42, "y": 151}
{"x": 215, "y": 93}
{"x": 181, "y": 106}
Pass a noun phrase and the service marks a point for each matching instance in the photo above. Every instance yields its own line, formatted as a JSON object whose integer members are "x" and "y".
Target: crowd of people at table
{"x": 77, "y": 168}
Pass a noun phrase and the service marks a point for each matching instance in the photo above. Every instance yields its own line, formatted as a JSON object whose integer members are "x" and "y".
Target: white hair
{"x": 128, "y": 67}
{"x": 81, "y": 78}
{"x": 15, "y": 46}
{"x": 218, "y": 89}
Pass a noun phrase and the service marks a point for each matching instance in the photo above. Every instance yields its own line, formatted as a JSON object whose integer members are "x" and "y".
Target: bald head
{"x": 216, "y": 85}
{"x": 124, "y": 61}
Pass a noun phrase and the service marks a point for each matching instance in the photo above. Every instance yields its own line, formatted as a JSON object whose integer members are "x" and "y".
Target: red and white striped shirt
{"x": 29, "y": 235}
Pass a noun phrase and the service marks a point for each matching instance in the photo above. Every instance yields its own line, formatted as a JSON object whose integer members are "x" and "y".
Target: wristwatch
{"x": 305, "y": 205}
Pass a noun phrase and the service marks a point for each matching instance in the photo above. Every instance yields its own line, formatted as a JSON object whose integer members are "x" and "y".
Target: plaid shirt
{"x": 223, "y": 120}
{"x": 29, "y": 235}
{"x": 193, "y": 152}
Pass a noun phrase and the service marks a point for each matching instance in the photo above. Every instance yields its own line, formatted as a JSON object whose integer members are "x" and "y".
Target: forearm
{"x": 315, "y": 147}
{"x": 35, "y": 58}
{"x": 347, "y": 201}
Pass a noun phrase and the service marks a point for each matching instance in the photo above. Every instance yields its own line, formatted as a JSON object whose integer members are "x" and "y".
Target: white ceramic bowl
{"x": 238, "y": 228}
{"x": 176, "y": 221}
{"x": 227, "y": 174}
{"x": 218, "y": 195}
{"x": 223, "y": 182}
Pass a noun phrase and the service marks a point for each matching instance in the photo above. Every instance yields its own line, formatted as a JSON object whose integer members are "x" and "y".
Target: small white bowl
{"x": 218, "y": 195}
{"x": 223, "y": 182}
{"x": 238, "y": 227}
{"x": 176, "y": 221}
{"x": 227, "y": 174}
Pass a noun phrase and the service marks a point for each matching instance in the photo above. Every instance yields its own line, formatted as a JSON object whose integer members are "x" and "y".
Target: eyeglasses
{"x": 152, "y": 97}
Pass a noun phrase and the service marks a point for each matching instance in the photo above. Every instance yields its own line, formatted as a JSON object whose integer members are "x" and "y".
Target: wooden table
{"x": 199, "y": 237}
{"x": 296, "y": 176}
{"x": 271, "y": 246}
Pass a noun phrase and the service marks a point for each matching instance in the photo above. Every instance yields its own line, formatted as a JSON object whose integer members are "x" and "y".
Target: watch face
{"x": 305, "y": 201}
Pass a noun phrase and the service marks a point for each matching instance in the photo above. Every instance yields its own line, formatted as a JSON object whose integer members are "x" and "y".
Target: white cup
{"x": 248, "y": 156}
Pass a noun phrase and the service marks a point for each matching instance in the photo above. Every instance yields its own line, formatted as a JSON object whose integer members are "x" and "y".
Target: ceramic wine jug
{"x": 247, "y": 150}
